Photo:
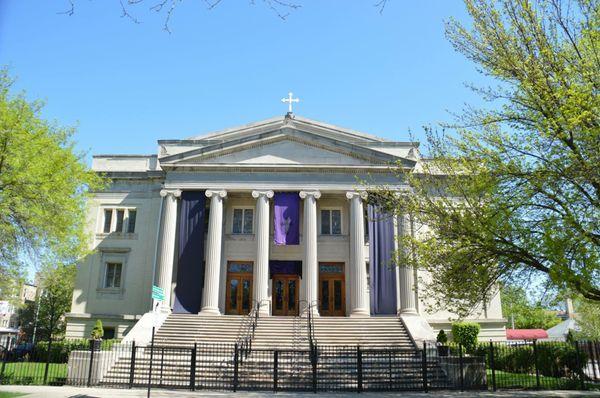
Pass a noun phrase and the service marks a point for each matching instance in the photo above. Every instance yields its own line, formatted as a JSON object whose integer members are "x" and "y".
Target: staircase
{"x": 282, "y": 332}
{"x": 337, "y": 341}
{"x": 183, "y": 330}
{"x": 373, "y": 332}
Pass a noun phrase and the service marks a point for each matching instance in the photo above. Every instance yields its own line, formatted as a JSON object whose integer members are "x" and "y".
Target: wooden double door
{"x": 238, "y": 299}
{"x": 285, "y": 294}
{"x": 332, "y": 289}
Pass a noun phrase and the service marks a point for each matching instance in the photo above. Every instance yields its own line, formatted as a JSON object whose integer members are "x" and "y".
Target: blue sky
{"x": 125, "y": 85}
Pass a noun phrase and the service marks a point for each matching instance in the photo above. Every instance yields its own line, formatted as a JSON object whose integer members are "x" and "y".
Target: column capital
{"x": 175, "y": 192}
{"x": 257, "y": 194}
{"x": 315, "y": 194}
{"x": 215, "y": 192}
{"x": 356, "y": 194}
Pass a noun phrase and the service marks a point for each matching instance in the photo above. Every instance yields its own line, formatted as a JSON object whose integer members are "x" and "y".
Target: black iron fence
{"x": 494, "y": 365}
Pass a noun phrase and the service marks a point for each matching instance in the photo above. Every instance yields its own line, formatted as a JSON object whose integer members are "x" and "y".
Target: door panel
{"x": 332, "y": 296}
{"x": 285, "y": 294}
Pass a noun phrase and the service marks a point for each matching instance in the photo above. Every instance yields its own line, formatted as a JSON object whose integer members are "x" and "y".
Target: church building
{"x": 272, "y": 215}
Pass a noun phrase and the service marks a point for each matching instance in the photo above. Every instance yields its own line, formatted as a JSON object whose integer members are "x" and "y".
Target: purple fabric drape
{"x": 190, "y": 268}
{"x": 285, "y": 268}
{"x": 382, "y": 270}
{"x": 287, "y": 218}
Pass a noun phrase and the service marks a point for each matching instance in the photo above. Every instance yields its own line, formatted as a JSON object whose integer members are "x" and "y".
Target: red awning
{"x": 526, "y": 334}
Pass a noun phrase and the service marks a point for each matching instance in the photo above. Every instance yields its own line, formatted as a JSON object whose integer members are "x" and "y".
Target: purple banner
{"x": 287, "y": 218}
{"x": 282, "y": 267}
{"x": 190, "y": 268}
{"x": 382, "y": 269}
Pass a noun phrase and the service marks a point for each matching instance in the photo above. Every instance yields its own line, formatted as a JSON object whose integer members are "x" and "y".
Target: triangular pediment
{"x": 283, "y": 146}
{"x": 283, "y": 152}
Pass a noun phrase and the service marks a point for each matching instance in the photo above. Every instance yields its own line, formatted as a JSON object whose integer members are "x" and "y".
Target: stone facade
{"x": 240, "y": 169}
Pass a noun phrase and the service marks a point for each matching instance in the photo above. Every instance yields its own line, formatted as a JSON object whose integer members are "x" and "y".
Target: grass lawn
{"x": 523, "y": 380}
{"x": 4, "y": 394}
{"x": 33, "y": 373}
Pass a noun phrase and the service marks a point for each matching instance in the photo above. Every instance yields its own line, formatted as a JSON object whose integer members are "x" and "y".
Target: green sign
{"x": 158, "y": 293}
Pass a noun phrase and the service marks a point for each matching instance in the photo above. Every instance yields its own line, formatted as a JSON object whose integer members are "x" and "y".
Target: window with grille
{"x": 242, "y": 221}
{"x": 112, "y": 277}
{"x": 331, "y": 222}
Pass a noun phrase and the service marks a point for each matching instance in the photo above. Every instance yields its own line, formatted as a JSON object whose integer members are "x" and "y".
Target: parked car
{"x": 21, "y": 350}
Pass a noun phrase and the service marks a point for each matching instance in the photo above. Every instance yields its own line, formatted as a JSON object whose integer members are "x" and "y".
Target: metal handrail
{"x": 312, "y": 341}
{"x": 248, "y": 328}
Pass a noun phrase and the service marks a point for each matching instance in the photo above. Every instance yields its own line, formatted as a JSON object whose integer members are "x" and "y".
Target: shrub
{"x": 554, "y": 359}
{"x": 442, "y": 338}
{"x": 61, "y": 349}
{"x": 98, "y": 330}
{"x": 514, "y": 359}
{"x": 560, "y": 359}
{"x": 465, "y": 334}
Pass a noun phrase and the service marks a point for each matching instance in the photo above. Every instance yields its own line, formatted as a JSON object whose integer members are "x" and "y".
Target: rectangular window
{"x": 131, "y": 221}
{"x": 113, "y": 275}
{"x": 242, "y": 221}
{"x": 331, "y": 222}
{"x": 107, "y": 220}
{"x": 124, "y": 220}
{"x": 120, "y": 218}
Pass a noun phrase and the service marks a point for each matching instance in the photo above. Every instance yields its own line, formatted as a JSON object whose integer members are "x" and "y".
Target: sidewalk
{"x": 82, "y": 392}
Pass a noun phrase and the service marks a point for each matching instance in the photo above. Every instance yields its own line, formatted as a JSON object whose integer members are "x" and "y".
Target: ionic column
{"x": 406, "y": 277}
{"x": 166, "y": 256}
{"x": 261, "y": 268}
{"x": 210, "y": 293}
{"x": 311, "y": 271}
{"x": 359, "y": 301}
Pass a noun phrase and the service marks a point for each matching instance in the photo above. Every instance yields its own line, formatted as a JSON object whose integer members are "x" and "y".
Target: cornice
{"x": 284, "y": 133}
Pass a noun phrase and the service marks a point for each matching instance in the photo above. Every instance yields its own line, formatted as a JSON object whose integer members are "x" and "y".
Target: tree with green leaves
{"x": 43, "y": 189}
{"x": 98, "y": 330}
{"x": 517, "y": 307}
{"x": 514, "y": 192}
{"x": 588, "y": 319}
{"x": 45, "y": 316}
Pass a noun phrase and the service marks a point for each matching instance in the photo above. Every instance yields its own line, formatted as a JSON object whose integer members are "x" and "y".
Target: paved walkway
{"x": 81, "y": 392}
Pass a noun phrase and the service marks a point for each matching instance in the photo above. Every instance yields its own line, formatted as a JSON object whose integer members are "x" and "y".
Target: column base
{"x": 360, "y": 313}
{"x": 209, "y": 311}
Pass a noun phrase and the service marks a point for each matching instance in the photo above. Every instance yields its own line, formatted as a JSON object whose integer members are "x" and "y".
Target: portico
{"x": 332, "y": 263}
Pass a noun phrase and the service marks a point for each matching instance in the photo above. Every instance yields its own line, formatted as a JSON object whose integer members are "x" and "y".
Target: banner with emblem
{"x": 287, "y": 218}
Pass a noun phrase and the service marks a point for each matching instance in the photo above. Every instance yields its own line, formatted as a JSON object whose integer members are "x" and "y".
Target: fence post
{"x": 3, "y": 366}
{"x": 92, "y": 344}
{"x": 535, "y": 362}
{"x": 193, "y": 368}
{"x": 460, "y": 362}
{"x": 235, "y": 368}
{"x": 275, "y": 364}
{"x": 580, "y": 366}
{"x": 314, "y": 367}
{"x": 593, "y": 358}
{"x": 492, "y": 365}
{"x": 424, "y": 367}
{"x": 132, "y": 365}
{"x": 47, "y": 359}
{"x": 359, "y": 369}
